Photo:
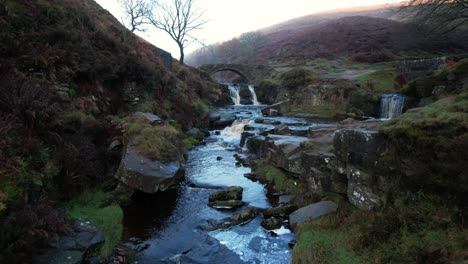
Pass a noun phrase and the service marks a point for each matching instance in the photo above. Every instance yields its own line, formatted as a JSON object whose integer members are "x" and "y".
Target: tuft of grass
{"x": 278, "y": 178}
{"x": 190, "y": 142}
{"x": 97, "y": 208}
{"x": 157, "y": 142}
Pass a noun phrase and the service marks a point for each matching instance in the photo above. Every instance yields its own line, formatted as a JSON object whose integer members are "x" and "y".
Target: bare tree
{"x": 440, "y": 16}
{"x": 179, "y": 18}
{"x": 136, "y": 13}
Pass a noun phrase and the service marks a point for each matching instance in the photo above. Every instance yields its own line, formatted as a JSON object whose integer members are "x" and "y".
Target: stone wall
{"x": 166, "y": 57}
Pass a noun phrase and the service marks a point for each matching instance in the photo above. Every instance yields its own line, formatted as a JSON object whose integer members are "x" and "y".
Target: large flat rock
{"x": 311, "y": 212}
{"x": 146, "y": 175}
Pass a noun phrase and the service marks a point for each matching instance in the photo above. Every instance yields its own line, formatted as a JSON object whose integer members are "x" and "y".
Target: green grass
{"x": 278, "y": 178}
{"x": 382, "y": 81}
{"x": 190, "y": 142}
{"x": 415, "y": 228}
{"x": 325, "y": 112}
{"x": 97, "y": 208}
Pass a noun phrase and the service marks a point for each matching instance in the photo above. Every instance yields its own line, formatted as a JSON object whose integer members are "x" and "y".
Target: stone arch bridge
{"x": 250, "y": 73}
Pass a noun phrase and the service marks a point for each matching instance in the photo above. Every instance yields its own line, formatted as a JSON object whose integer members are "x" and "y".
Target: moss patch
{"x": 97, "y": 208}
{"x": 281, "y": 181}
{"x": 190, "y": 142}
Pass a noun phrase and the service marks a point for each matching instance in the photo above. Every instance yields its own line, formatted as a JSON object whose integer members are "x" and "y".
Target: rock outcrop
{"x": 229, "y": 198}
{"x": 145, "y": 174}
{"x": 75, "y": 248}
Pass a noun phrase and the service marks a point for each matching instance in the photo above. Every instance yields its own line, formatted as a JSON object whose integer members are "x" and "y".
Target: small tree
{"x": 440, "y": 16}
{"x": 136, "y": 13}
{"x": 178, "y": 18}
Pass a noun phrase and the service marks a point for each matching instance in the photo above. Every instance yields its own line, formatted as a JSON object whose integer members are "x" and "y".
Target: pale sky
{"x": 230, "y": 18}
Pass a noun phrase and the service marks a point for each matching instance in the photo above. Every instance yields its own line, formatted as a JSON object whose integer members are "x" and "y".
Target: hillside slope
{"x": 68, "y": 70}
{"x": 361, "y": 38}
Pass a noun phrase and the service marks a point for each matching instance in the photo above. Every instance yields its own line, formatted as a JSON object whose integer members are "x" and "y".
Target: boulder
{"x": 280, "y": 211}
{"x": 196, "y": 133}
{"x": 285, "y": 152}
{"x": 231, "y": 193}
{"x": 359, "y": 147}
{"x": 311, "y": 212}
{"x": 360, "y": 152}
{"x": 282, "y": 129}
{"x": 275, "y": 109}
{"x": 256, "y": 145}
{"x": 271, "y": 223}
{"x": 146, "y": 175}
{"x": 244, "y": 137}
{"x": 238, "y": 219}
{"x": 321, "y": 172}
{"x": 75, "y": 248}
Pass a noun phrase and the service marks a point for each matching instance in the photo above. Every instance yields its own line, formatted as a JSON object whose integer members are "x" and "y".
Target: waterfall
{"x": 254, "y": 95}
{"x": 391, "y": 105}
{"x": 235, "y": 130}
{"x": 234, "y": 90}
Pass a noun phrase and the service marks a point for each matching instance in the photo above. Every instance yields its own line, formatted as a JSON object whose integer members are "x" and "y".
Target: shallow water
{"x": 165, "y": 228}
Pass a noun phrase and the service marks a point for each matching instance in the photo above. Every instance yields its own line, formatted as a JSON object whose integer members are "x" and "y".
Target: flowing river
{"x": 168, "y": 227}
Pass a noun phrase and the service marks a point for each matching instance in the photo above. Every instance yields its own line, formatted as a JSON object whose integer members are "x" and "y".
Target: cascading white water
{"x": 235, "y": 130}
{"x": 254, "y": 95}
{"x": 391, "y": 105}
{"x": 234, "y": 91}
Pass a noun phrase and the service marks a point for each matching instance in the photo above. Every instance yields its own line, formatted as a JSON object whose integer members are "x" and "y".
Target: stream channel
{"x": 168, "y": 227}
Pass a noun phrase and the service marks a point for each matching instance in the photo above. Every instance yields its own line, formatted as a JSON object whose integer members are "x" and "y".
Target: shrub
{"x": 296, "y": 78}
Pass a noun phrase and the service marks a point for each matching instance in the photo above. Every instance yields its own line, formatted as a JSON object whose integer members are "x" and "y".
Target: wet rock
{"x": 238, "y": 219}
{"x": 285, "y": 199}
{"x": 251, "y": 176}
{"x": 226, "y": 205}
{"x": 244, "y": 137}
{"x": 196, "y": 133}
{"x": 74, "y": 248}
{"x": 271, "y": 223}
{"x": 280, "y": 211}
{"x": 231, "y": 193}
{"x": 271, "y": 112}
{"x": 300, "y": 132}
{"x": 276, "y": 109}
{"x": 249, "y": 128}
{"x": 282, "y": 130}
{"x": 285, "y": 152}
{"x": 146, "y": 175}
{"x": 311, "y": 212}
{"x": 219, "y": 158}
{"x": 256, "y": 145}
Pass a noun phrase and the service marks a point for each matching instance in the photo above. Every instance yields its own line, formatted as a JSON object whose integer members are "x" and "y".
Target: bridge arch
{"x": 230, "y": 69}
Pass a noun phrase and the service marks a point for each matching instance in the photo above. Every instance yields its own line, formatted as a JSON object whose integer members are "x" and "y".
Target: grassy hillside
{"x": 360, "y": 38}
{"x": 67, "y": 68}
